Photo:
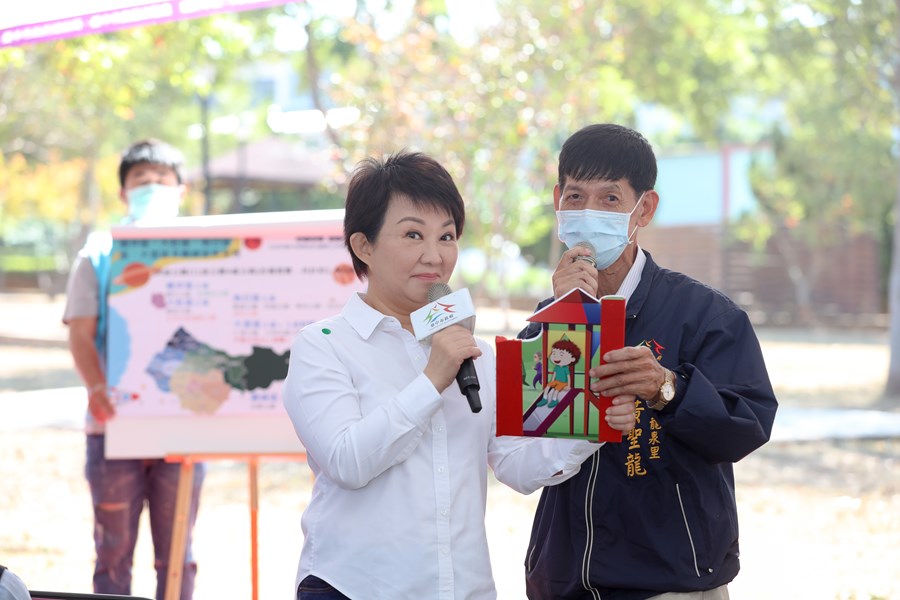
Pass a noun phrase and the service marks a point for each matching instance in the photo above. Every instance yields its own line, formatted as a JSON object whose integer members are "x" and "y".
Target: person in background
{"x": 151, "y": 187}
{"x": 400, "y": 460}
{"x": 654, "y": 516}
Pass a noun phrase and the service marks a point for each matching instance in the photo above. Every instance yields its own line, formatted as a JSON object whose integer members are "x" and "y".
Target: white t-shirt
{"x": 398, "y": 504}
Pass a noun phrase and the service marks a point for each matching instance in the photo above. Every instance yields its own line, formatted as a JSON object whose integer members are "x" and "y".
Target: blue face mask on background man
{"x": 606, "y": 231}
{"x": 153, "y": 201}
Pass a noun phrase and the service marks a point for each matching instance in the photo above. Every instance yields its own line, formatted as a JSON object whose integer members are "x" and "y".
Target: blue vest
{"x": 99, "y": 249}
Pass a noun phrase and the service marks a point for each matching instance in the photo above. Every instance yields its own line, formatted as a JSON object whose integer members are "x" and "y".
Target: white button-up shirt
{"x": 398, "y": 504}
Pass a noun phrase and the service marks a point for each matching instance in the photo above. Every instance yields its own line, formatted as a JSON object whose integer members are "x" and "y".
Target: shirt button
{"x": 445, "y": 550}
{"x": 443, "y": 512}
{"x": 440, "y": 469}
{"x": 440, "y": 428}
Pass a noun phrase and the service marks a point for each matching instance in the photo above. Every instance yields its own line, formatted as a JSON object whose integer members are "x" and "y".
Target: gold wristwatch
{"x": 665, "y": 394}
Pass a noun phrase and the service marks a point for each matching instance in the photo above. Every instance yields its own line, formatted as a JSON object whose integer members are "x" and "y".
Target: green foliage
{"x": 833, "y": 66}
{"x": 24, "y": 262}
{"x": 275, "y": 200}
{"x": 497, "y": 110}
{"x": 835, "y": 167}
{"x": 494, "y": 108}
{"x": 75, "y": 104}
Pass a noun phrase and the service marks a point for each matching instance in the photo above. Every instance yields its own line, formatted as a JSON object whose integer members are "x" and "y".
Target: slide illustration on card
{"x": 543, "y": 383}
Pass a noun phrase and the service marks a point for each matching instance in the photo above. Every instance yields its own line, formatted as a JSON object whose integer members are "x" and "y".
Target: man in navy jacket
{"x": 655, "y": 514}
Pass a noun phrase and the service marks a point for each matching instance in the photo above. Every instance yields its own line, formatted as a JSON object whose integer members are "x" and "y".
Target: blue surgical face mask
{"x": 606, "y": 231}
{"x": 153, "y": 201}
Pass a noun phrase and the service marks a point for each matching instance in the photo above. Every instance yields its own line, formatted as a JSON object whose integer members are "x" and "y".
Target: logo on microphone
{"x": 437, "y": 309}
{"x": 440, "y": 313}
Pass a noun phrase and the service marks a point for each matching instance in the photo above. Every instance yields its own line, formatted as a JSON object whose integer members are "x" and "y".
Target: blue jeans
{"x": 119, "y": 489}
{"x": 313, "y": 588}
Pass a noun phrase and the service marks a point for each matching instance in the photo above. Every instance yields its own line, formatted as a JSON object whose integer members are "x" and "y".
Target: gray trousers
{"x": 719, "y": 593}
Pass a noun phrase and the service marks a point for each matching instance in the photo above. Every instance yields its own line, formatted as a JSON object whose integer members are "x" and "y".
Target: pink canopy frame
{"x": 125, "y": 14}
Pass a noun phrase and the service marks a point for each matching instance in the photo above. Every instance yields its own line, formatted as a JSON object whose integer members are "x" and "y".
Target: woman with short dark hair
{"x": 400, "y": 460}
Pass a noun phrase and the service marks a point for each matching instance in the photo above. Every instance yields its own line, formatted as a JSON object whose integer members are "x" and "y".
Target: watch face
{"x": 667, "y": 391}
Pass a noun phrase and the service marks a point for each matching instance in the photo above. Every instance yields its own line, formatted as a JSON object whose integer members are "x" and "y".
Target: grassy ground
{"x": 819, "y": 520}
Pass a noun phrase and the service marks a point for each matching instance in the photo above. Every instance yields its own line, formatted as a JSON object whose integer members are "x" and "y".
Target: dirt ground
{"x": 819, "y": 520}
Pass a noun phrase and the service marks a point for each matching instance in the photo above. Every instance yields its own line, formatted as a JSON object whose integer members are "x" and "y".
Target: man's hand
{"x": 630, "y": 371}
{"x": 571, "y": 273}
{"x": 621, "y": 414}
{"x": 99, "y": 403}
{"x": 84, "y": 352}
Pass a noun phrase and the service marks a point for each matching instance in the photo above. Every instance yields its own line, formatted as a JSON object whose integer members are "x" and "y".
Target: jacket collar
{"x": 636, "y": 301}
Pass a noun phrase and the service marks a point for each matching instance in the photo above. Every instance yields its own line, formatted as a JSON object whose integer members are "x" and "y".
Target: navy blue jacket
{"x": 657, "y": 512}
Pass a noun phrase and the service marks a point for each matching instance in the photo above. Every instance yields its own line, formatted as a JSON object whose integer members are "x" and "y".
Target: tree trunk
{"x": 313, "y": 73}
{"x": 803, "y": 277}
{"x": 90, "y": 203}
{"x": 892, "y": 389}
{"x": 497, "y": 232}
{"x": 893, "y": 379}
{"x": 555, "y": 251}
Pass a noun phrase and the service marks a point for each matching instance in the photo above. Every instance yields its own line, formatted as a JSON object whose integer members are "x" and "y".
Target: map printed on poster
{"x": 203, "y": 326}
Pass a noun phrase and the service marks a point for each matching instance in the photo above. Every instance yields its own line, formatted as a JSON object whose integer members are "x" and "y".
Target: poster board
{"x": 543, "y": 383}
{"x": 201, "y": 315}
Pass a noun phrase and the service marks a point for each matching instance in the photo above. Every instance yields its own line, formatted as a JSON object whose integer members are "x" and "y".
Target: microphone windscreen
{"x": 590, "y": 247}
{"x": 438, "y": 290}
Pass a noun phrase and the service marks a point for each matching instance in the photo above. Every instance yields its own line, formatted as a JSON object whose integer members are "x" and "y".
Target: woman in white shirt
{"x": 400, "y": 460}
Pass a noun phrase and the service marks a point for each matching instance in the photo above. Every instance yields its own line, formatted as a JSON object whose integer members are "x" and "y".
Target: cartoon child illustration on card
{"x": 538, "y": 367}
{"x": 563, "y": 356}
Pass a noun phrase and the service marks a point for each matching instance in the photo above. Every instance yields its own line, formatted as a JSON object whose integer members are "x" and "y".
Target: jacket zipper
{"x": 592, "y": 481}
{"x": 687, "y": 528}
{"x": 589, "y": 523}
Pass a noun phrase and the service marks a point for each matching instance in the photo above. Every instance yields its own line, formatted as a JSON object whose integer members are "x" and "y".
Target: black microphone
{"x": 466, "y": 378}
{"x": 591, "y": 257}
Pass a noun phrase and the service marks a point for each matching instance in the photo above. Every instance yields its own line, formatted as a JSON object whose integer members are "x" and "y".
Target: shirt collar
{"x": 361, "y": 317}
{"x": 633, "y": 278}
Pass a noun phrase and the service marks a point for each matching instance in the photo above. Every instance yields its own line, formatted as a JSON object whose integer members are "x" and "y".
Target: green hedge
{"x": 23, "y": 263}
